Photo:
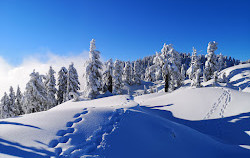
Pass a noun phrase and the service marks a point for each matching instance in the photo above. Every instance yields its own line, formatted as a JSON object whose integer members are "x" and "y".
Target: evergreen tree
{"x": 172, "y": 71}
{"x": 93, "y": 72}
{"x": 215, "y": 78}
{"x": 150, "y": 73}
{"x": 18, "y": 103}
{"x": 211, "y": 63}
{"x": 62, "y": 85}
{"x": 158, "y": 62}
{"x": 117, "y": 80}
{"x": 197, "y": 79}
{"x": 35, "y": 97}
{"x": 194, "y": 65}
{"x": 5, "y": 105}
{"x": 204, "y": 75}
{"x": 127, "y": 73}
{"x": 220, "y": 62}
{"x": 72, "y": 81}
{"x": 50, "y": 85}
{"x": 108, "y": 76}
{"x": 12, "y": 107}
{"x": 183, "y": 72}
{"x": 165, "y": 75}
{"x": 136, "y": 75}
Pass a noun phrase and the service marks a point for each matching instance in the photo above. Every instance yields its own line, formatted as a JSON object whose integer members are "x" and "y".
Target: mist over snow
{"x": 19, "y": 75}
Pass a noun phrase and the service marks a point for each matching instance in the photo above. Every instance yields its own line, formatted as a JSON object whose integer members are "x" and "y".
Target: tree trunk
{"x": 166, "y": 83}
{"x": 110, "y": 87}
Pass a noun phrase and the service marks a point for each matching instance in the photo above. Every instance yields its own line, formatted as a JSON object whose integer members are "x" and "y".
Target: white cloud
{"x": 19, "y": 75}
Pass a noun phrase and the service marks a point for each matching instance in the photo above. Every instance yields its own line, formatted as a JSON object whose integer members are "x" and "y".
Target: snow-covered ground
{"x": 206, "y": 122}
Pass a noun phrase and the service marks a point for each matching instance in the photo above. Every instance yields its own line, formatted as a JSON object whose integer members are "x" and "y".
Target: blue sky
{"x": 125, "y": 30}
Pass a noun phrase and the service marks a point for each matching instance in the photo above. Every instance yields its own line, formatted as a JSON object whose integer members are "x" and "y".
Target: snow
{"x": 188, "y": 122}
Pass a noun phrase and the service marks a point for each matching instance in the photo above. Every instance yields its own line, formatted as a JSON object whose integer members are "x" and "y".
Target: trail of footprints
{"x": 221, "y": 103}
{"x": 63, "y": 133}
{"x": 96, "y": 140}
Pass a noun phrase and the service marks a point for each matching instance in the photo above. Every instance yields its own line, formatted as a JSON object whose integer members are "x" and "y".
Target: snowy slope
{"x": 189, "y": 122}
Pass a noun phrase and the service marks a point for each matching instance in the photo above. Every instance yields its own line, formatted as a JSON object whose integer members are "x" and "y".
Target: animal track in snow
{"x": 222, "y": 103}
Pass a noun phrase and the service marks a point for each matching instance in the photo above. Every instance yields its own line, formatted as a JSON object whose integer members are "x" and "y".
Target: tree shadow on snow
{"x": 18, "y": 124}
{"x": 18, "y": 150}
{"x": 228, "y": 130}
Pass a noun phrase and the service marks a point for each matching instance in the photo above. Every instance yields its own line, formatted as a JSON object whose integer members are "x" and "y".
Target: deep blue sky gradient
{"x": 125, "y": 30}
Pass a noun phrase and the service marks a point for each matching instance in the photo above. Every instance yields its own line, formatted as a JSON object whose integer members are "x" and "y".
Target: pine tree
{"x": 211, "y": 63}
{"x": 158, "y": 62}
{"x": 220, "y": 62}
{"x": 183, "y": 72}
{"x": 62, "y": 85}
{"x": 174, "y": 70}
{"x": 150, "y": 74}
{"x": 12, "y": 107}
{"x": 127, "y": 73}
{"x": 35, "y": 97}
{"x": 197, "y": 79}
{"x": 215, "y": 78}
{"x": 108, "y": 76}
{"x": 72, "y": 81}
{"x": 136, "y": 75}
{"x": 117, "y": 79}
{"x": 18, "y": 103}
{"x": 93, "y": 72}
{"x": 204, "y": 75}
{"x": 165, "y": 75}
{"x": 194, "y": 65}
{"x": 50, "y": 85}
{"x": 5, "y": 104}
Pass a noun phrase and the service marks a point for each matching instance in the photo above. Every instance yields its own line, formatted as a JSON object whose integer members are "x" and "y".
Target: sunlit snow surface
{"x": 206, "y": 122}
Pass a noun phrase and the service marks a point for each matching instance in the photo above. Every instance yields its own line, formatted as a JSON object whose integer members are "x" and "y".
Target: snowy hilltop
{"x": 169, "y": 104}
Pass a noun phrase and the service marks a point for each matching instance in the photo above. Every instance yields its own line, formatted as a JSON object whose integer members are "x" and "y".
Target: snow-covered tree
{"x": 197, "y": 79}
{"x": 158, "y": 62}
{"x": 108, "y": 76}
{"x": 194, "y": 65}
{"x": 93, "y": 72}
{"x": 215, "y": 78}
{"x": 204, "y": 74}
{"x": 136, "y": 75}
{"x": 127, "y": 73}
{"x": 72, "y": 81}
{"x": 12, "y": 107}
{"x": 223, "y": 78}
{"x": 50, "y": 85}
{"x": 62, "y": 85}
{"x": 18, "y": 103}
{"x": 211, "y": 64}
{"x": 165, "y": 75}
{"x": 117, "y": 78}
{"x": 183, "y": 72}
{"x": 35, "y": 97}
{"x": 220, "y": 62}
{"x": 5, "y": 106}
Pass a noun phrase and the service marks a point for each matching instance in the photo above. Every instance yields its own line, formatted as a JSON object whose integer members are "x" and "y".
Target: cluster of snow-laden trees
{"x": 42, "y": 92}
